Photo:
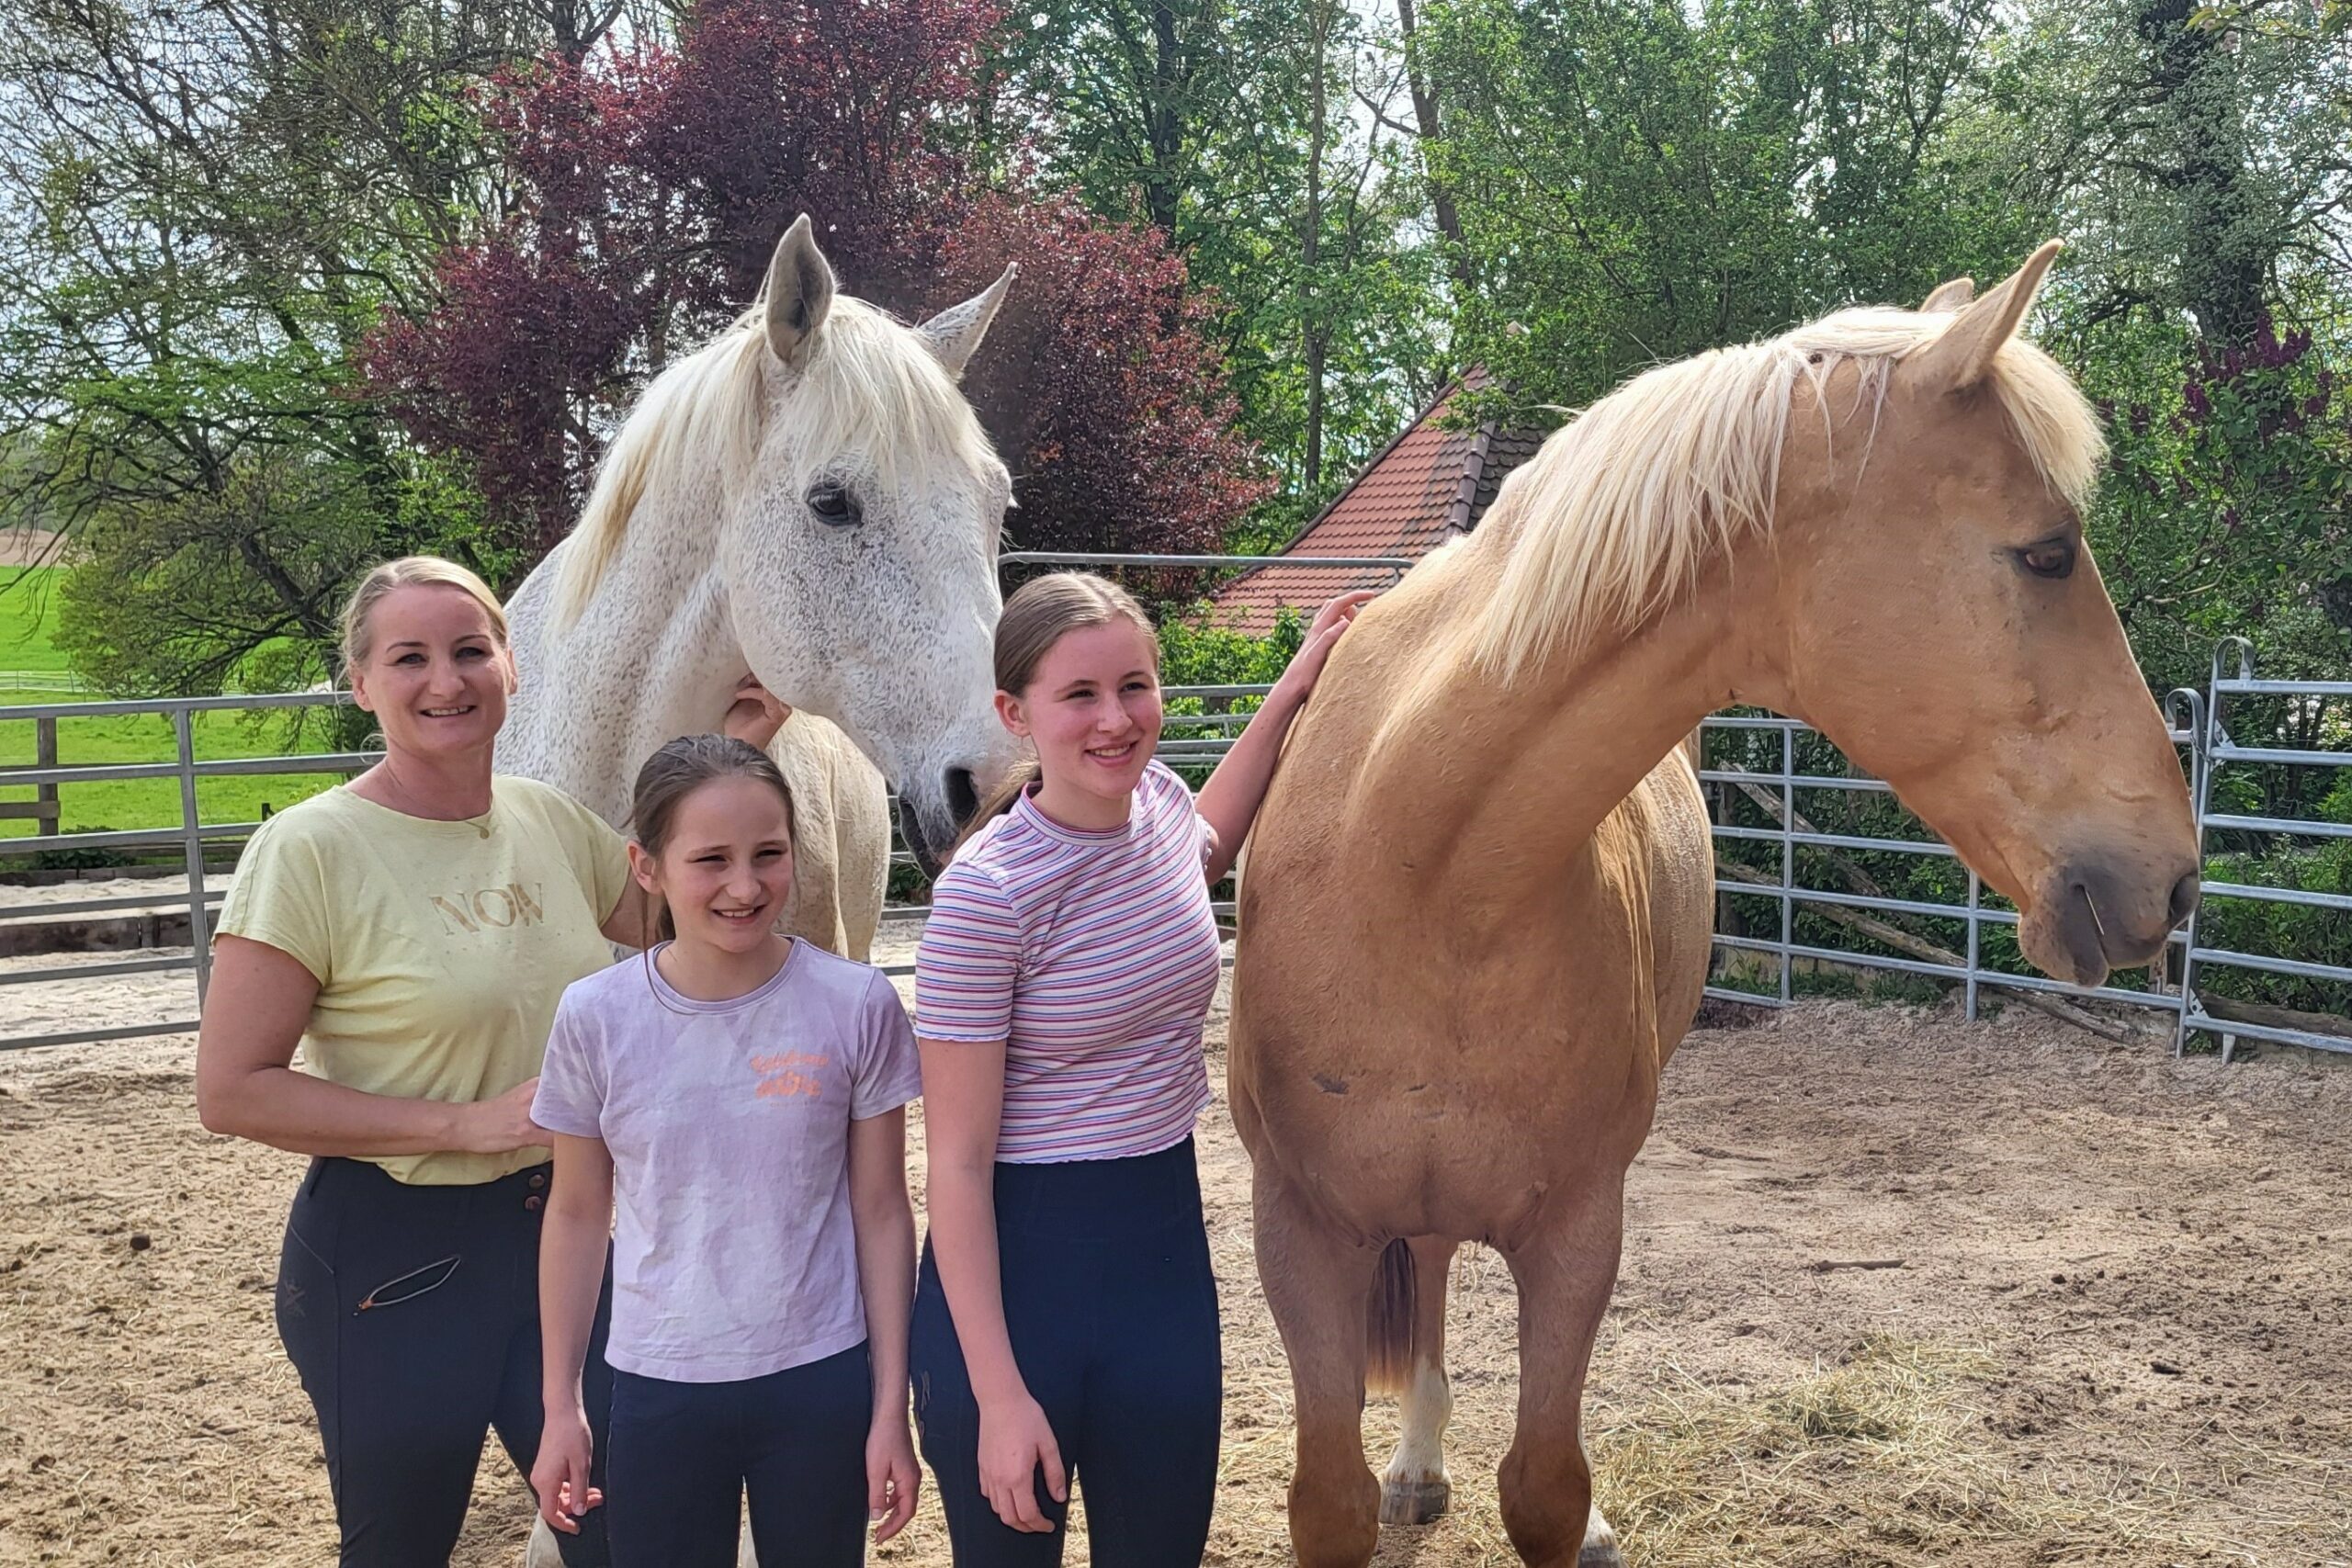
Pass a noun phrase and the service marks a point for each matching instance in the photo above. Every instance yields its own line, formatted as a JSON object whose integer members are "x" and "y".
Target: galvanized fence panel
{"x": 2234, "y": 677}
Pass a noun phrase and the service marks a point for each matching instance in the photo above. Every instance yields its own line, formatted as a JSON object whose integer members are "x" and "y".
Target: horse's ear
{"x": 1948, "y": 296}
{"x": 1962, "y": 356}
{"x": 799, "y": 292}
{"x": 955, "y": 333}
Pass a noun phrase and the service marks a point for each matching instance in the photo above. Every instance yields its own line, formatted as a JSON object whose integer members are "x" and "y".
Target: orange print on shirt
{"x": 788, "y": 1073}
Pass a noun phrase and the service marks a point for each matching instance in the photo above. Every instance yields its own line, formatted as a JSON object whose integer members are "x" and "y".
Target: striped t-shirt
{"x": 1093, "y": 956}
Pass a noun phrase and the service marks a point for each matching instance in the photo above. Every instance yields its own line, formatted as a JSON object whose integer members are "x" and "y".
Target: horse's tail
{"x": 1388, "y": 1343}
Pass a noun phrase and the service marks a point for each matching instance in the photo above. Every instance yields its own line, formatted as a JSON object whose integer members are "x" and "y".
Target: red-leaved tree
{"x": 648, "y": 188}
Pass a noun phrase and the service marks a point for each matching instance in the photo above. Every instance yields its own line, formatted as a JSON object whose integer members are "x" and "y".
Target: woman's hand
{"x": 1330, "y": 622}
{"x": 1015, "y": 1439}
{"x": 756, "y": 715}
{"x": 892, "y": 1477}
{"x": 502, "y": 1124}
{"x": 560, "y": 1475}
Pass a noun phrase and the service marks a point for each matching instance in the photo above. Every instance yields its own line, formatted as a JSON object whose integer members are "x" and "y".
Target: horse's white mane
{"x": 871, "y": 387}
{"x": 1619, "y": 509}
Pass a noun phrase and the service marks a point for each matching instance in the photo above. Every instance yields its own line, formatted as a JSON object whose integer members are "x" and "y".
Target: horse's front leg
{"x": 1317, "y": 1283}
{"x": 1415, "y": 1489}
{"x": 1566, "y": 1270}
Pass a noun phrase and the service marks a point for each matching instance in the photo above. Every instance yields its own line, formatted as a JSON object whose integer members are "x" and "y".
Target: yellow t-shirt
{"x": 440, "y": 948}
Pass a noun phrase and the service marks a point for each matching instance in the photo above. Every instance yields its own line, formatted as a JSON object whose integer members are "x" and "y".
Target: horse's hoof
{"x": 1599, "y": 1545}
{"x": 1414, "y": 1502}
{"x": 542, "y": 1553}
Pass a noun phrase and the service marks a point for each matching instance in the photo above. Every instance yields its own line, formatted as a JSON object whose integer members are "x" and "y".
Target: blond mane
{"x": 1619, "y": 510}
{"x": 871, "y": 388}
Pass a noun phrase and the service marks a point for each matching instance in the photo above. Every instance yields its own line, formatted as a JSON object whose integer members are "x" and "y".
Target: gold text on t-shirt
{"x": 492, "y": 908}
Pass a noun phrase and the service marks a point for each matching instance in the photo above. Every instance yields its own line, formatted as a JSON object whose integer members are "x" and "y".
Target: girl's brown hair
{"x": 1040, "y": 613}
{"x": 675, "y": 772}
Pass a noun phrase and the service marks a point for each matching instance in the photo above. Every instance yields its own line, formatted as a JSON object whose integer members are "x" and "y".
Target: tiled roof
{"x": 1430, "y": 484}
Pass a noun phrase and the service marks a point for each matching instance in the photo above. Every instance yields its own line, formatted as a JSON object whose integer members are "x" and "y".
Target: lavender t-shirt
{"x": 733, "y": 1251}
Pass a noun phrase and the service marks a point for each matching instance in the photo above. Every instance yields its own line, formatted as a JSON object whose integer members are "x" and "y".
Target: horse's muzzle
{"x": 2096, "y": 916}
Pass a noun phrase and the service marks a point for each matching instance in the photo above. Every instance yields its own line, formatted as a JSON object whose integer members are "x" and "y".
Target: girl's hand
{"x": 892, "y": 1477}
{"x": 756, "y": 715}
{"x": 560, "y": 1475}
{"x": 1306, "y": 665}
{"x": 1015, "y": 1439}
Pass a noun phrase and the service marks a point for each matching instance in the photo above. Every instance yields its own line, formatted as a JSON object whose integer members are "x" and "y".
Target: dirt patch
{"x": 30, "y": 547}
{"x": 2116, "y": 1334}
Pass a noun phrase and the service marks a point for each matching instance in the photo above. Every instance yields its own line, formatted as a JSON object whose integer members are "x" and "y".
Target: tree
{"x": 1638, "y": 181}
{"x": 1262, "y": 140}
{"x": 647, "y": 187}
{"x": 207, "y": 205}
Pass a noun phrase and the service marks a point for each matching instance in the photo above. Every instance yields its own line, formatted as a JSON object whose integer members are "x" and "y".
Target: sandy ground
{"x": 2119, "y": 1333}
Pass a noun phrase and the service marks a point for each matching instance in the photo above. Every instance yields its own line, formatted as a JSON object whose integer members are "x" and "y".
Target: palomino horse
{"x": 807, "y": 498}
{"x": 1476, "y": 920}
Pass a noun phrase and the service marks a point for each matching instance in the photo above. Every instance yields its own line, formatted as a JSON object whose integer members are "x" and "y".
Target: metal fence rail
{"x": 2198, "y": 721}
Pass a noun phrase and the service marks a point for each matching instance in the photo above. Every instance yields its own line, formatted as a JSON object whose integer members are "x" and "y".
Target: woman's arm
{"x": 572, "y": 1273}
{"x": 1229, "y": 801}
{"x": 963, "y": 1096}
{"x": 885, "y": 1223}
{"x": 245, "y": 1085}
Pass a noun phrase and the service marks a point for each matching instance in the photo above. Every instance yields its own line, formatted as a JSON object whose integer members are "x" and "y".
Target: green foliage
{"x": 2313, "y": 935}
{"x": 2224, "y": 512}
{"x": 1196, "y": 650}
{"x": 1264, "y": 136}
{"x": 1639, "y": 180}
{"x": 208, "y": 209}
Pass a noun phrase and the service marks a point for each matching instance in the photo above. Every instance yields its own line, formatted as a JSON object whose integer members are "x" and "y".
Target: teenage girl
{"x": 742, "y": 1094}
{"x": 1065, "y": 1322}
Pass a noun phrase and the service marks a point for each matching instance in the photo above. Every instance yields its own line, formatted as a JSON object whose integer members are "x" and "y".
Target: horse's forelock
{"x": 872, "y": 387}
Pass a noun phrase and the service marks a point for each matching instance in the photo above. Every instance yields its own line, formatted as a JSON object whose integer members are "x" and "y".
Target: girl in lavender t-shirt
{"x": 738, "y": 1098}
{"x": 1066, "y": 1322}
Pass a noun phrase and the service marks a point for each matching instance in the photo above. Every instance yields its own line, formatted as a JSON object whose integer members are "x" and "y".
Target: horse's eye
{"x": 2051, "y": 557}
{"x": 834, "y": 505}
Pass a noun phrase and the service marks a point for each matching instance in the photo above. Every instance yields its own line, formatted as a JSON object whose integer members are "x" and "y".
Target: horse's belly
{"x": 1420, "y": 1106}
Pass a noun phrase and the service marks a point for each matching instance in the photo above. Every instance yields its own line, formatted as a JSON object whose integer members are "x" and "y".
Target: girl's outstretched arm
{"x": 885, "y": 1223}
{"x": 573, "y": 1240}
{"x": 1229, "y": 801}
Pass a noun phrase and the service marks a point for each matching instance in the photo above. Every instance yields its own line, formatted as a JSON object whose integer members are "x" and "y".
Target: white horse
{"x": 807, "y": 498}
{"x": 810, "y": 499}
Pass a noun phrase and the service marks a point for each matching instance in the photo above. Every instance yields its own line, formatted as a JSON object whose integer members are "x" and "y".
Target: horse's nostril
{"x": 963, "y": 793}
{"x": 2185, "y": 894}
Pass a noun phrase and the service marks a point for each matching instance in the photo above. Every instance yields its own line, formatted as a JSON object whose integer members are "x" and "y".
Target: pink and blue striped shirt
{"x": 1093, "y": 956}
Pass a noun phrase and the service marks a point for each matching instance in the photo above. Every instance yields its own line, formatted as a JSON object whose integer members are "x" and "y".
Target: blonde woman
{"x": 411, "y": 932}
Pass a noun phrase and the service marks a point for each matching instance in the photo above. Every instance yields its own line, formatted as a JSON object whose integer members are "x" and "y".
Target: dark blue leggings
{"x": 1112, "y": 1313}
{"x": 412, "y": 1315}
{"x": 683, "y": 1455}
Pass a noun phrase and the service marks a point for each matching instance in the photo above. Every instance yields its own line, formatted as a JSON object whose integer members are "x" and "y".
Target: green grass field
{"x": 28, "y": 620}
